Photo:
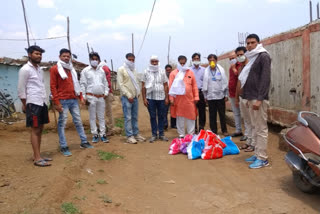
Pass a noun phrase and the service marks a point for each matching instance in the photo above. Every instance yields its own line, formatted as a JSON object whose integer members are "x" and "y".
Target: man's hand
{"x": 59, "y": 108}
{"x": 111, "y": 97}
{"x": 195, "y": 102}
{"x": 256, "y": 105}
{"x": 226, "y": 99}
{"x": 83, "y": 101}
{"x": 131, "y": 100}
{"x": 145, "y": 102}
{"x": 172, "y": 102}
{"x": 166, "y": 101}
{"x": 24, "y": 108}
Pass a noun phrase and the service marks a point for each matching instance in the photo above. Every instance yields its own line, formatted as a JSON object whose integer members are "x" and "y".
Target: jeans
{"x": 201, "y": 106}
{"x": 72, "y": 106}
{"x": 236, "y": 114}
{"x": 220, "y": 107}
{"x": 157, "y": 108}
{"x": 130, "y": 112}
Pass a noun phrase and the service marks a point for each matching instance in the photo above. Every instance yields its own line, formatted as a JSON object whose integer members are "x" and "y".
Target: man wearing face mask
{"x": 255, "y": 79}
{"x": 155, "y": 97}
{"x": 233, "y": 80}
{"x": 94, "y": 87}
{"x": 184, "y": 96}
{"x": 215, "y": 90}
{"x": 130, "y": 91}
{"x": 65, "y": 90}
{"x": 168, "y": 69}
{"x": 201, "y": 105}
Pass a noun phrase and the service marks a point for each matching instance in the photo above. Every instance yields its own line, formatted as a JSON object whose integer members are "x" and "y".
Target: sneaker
{"x": 104, "y": 139}
{"x": 163, "y": 138}
{"x": 65, "y": 151}
{"x": 152, "y": 139}
{"x": 243, "y": 138}
{"x": 251, "y": 159}
{"x": 259, "y": 164}
{"x": 86, "y": 145}
{"x": 139, "y": 138}
{"x": 131, "y": 140}
{"x": 95, "y": 138}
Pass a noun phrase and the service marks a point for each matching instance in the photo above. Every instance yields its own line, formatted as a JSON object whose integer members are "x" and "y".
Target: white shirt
{"x": 31, "y": 85}
{"x": 93, "y": 81}
{"x": 217, "y": 85}
{"x": 157, "y": 79}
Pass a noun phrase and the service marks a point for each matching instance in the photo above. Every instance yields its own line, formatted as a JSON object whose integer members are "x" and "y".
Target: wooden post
{"x": 68, "y": 35}
{"x": 132, "y": 43}
{"x": 111, "y": 64}
{"x": 310, "y": 7}
{"x": 169, "y": 49}
{"x": 25, "y": 21}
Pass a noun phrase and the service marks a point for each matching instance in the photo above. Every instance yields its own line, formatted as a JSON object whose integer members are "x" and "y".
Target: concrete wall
{"x": 295, "y": 79}
{"x": 9, "y": 83}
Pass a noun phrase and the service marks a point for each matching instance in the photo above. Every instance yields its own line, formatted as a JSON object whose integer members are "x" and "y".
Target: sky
{"x": 204, "y": 26}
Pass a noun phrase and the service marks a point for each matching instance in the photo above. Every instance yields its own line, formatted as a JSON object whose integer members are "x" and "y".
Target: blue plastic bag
{"x": 231, "y": 148}
{"x": 195, "y": 149}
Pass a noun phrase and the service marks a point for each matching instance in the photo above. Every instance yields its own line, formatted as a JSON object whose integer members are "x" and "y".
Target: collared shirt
{"x": 198, "y": 73}
{"x": 127, "y": 88}
{"x": 217, "y": 85}
{"x": 159, "y": 78}
{"x": 31, "y": 85}
{"x": 93, "y": 81}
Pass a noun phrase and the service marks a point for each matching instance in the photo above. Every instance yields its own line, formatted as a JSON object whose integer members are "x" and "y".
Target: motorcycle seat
{"x": 313, "y": 123}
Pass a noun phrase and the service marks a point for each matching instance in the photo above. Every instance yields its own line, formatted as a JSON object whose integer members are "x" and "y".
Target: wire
{"x": 145, "y": 33}
{"x": 48, "y": 38}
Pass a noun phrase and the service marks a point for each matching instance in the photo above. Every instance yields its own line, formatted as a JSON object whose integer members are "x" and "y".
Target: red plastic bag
{"x": 213, "y": 139}
{"x": 175, "y": 146}
{"x": 212, "y": 152}
{"x": 201, "y": 135}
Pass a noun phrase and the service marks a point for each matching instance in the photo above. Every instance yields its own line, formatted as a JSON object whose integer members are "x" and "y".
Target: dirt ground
{"x": 146, "y": 180}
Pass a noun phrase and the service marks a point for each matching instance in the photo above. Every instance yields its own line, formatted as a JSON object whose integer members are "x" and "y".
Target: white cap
{"x": 154, "y": 57}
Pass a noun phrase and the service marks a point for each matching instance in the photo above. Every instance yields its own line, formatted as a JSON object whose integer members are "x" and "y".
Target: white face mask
{"x": 196, "y": 62}
{"x": 233, "y": 61}
{"x": 129, "y": 64}
{"x": 153, "y": 68}
{"x": 94, "y": 63}
{"x": 241, "y": 58}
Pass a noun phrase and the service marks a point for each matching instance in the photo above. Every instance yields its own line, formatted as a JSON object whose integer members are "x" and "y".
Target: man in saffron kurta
{"x": 183, "y": 102}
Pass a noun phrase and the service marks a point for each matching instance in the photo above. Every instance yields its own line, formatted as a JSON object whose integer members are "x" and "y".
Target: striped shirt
{"x": 160, "y": 78}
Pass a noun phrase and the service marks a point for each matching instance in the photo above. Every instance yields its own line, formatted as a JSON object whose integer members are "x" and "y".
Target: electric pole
{"x": 25, "y": 21}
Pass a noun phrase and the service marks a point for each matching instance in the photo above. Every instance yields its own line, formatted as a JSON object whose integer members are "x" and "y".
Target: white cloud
{"x": 162, "y": 17}
{"x": 46, "y": 3}
{"x": 60, "y": 17}
{"x": 56, "y": 30}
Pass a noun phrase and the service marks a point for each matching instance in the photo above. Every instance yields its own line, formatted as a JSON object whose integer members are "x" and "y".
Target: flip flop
{"x": 249, "y": 149}
{"x": 245, "y": 146}
{"x": 46, "y": 159}
{"x": 41, "y": 163}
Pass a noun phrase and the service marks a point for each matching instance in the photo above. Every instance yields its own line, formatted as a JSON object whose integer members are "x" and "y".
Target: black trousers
{"x": 201, "y": 106}
{"x": 172, "y": 119}
{"x": 220, "y": 107}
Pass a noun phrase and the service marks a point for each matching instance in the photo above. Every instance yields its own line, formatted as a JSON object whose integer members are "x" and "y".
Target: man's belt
{"x": 96, "y": 95}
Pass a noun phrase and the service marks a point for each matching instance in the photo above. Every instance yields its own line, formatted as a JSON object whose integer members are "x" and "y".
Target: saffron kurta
{"x": 184, "y": 105}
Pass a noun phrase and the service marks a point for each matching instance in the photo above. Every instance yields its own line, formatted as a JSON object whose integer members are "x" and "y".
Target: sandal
{"x": 245, "y": 146}
{"x": 46, "y": 159}
{"x": 41, "y": 163}
{"x": 249, "y": 149}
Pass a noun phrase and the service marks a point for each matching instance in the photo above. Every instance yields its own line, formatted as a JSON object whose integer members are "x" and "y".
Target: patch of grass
{"x": 101, "y": 170}
{"x": 106, "y": 199}
{"x": 79, "y": 184}
{"x": 101, "y": 181}
{"x": 69, "y": 208}
{"x": 119, "y": 122}
{"x": 92, "y": 190}
{"x": 45, "y": 131}
{"x": 108, "y": 155}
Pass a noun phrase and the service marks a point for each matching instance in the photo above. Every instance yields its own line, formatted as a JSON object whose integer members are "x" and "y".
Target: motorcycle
{"x": 303, "y": 157}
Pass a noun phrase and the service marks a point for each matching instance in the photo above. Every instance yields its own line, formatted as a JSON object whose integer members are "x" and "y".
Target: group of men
{"x": 94, "y": 89}
{"x": 185, "y": 90}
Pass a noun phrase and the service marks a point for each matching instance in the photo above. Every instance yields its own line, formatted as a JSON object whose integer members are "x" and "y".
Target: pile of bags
{"x": 205, "y": 145}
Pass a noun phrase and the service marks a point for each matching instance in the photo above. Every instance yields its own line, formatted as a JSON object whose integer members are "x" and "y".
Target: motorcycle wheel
{"x": 302, "y": 183}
